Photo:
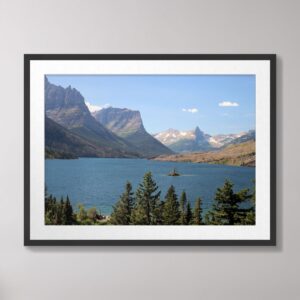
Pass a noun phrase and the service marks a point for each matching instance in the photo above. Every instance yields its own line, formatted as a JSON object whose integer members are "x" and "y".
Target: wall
{"x": 171, "y": 26}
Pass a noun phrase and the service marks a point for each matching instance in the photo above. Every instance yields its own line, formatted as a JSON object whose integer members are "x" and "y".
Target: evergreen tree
{"x": 62, "y": 220}
{"x": 122, "y": 210}
{"x": 147, "y": 206}
{"x": 183, "y": 209}
{"x": 160, "y": 211}
{"x": 50, "y": 205}
{"x": 171, "y": 211}
{"x": 197, "y": 214}
{"x": 189, "y": 214}
{"x": 68, "y": 212}
{"x": 249, "y": 218}
{"x": 250, "y": 213}
{"x": 226, "y": 207}
{"x": 58, "y": 212}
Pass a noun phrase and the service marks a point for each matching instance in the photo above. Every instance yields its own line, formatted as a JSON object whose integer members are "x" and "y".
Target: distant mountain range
{"x": 198, "y": 141}
{"x": 71, "y": 129}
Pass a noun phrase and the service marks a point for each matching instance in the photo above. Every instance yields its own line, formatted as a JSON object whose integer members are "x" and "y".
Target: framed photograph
{"x": 150, "y": 149}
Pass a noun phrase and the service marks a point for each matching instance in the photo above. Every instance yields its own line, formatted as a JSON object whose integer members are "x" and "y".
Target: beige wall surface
{"x": 157, "y": 26}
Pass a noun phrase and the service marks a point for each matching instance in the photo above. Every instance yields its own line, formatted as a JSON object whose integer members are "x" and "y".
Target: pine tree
{"x": 250, "y": 213}
{"x": 189, "y": 214}
{"x": 59, "y": 217}
{"x": 183, "y": 209}
{"x": 68, "y": 211}
{"x": 160, "y": 211}
{"x": 122, "y": 210}
{"x": 197, "y": 214}
{"x": 51, "y": 207}
{"x": 226, "y": 207}
{"x": 146, "y": 210}
{"x": 171, "y": 211}
{"x": 50, "y": 204}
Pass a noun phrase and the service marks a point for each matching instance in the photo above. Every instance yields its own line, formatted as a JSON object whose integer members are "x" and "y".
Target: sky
{"x": 218, "y": 104}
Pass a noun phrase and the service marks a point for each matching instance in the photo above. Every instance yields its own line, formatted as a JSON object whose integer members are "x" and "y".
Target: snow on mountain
{"x": 172, "y": 136}
{"x": 197, "y": 140}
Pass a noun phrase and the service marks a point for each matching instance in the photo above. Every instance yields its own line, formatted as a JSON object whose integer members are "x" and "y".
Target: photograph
{"x": 150, "y": 150}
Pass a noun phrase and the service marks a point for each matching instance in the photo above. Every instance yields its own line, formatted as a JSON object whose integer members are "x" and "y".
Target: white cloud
{"x": 228, "y": 104}
{"x": 92, "y": 108}
{"x": 190, "y": 110}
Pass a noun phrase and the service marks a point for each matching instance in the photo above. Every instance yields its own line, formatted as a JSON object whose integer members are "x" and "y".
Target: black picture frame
{"x": 31, "y": 57}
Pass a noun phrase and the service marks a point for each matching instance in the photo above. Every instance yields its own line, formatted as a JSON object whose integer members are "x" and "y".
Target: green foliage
{"x": 81, "y": 215}
{"x": 144, "y": 207}
{"x": 226, "y": 207}
{"x": 88, "y": 217}
{"x": 189, "y": 214}
{"x": 147, "y": 206}
{"x": 250, "y": 214}
{"x": 171, "y": 211}
{"x": 197, "y": 214}
{"x": 183, "y": 209}
{"x": 249, "y": 218}
{"x": 58, "y": 212}
{"x": 122, "y": 210}
{"x": 61, "y": 213}
{"x": 68, "y": 212}
{"x": 92, "y": 214}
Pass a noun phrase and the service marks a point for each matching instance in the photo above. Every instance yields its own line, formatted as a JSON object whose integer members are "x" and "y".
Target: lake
{"x": 98, "y": 182}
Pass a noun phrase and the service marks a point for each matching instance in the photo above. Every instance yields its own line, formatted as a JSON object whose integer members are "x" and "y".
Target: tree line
{"x": 145, "y": 206}
{"x": 60, "y": 212}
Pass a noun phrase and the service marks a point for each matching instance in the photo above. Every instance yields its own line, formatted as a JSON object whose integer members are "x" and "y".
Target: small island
{"x": 174, "y": 173}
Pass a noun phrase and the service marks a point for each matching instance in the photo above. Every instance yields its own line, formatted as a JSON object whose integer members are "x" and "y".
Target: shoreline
{"x": 165, "y": 159}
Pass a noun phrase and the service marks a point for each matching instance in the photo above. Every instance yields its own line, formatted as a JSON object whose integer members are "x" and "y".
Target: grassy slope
{"x": 235, "y": 155}
{"x": 52, "y": 154}
{"x": 147, "y": 145}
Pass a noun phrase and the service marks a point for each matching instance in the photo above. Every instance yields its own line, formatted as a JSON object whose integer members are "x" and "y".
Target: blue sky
{"x": 215, "y": 103}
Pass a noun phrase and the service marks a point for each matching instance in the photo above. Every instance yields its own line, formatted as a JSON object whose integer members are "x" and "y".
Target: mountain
{"x": 62, "y": 143}
{"x": 184, "y": 141}
{"x": 197, "y": 140}
{"x": 235, "y": 155}
{"x": 121, "y": 121}
{"x": 128, "y": 125}
{"x": 66, "y": 106}
{"x": 222, "y": 140}
{"x": 247, "y": 136}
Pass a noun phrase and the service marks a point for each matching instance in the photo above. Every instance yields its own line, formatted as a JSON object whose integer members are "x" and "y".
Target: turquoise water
{"x": 100, "y": 181}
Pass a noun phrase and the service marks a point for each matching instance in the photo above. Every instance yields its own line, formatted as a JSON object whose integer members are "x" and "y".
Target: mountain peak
{"x": 128, "y": 124}
{"x": 197, "y": 140}
{"x": 66, "y": 106}
{"x": 198, "y": 131}
{"x": 200, "y": 136}
{"x": 111, "y": 132}
{"x": 122, "y": 121}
